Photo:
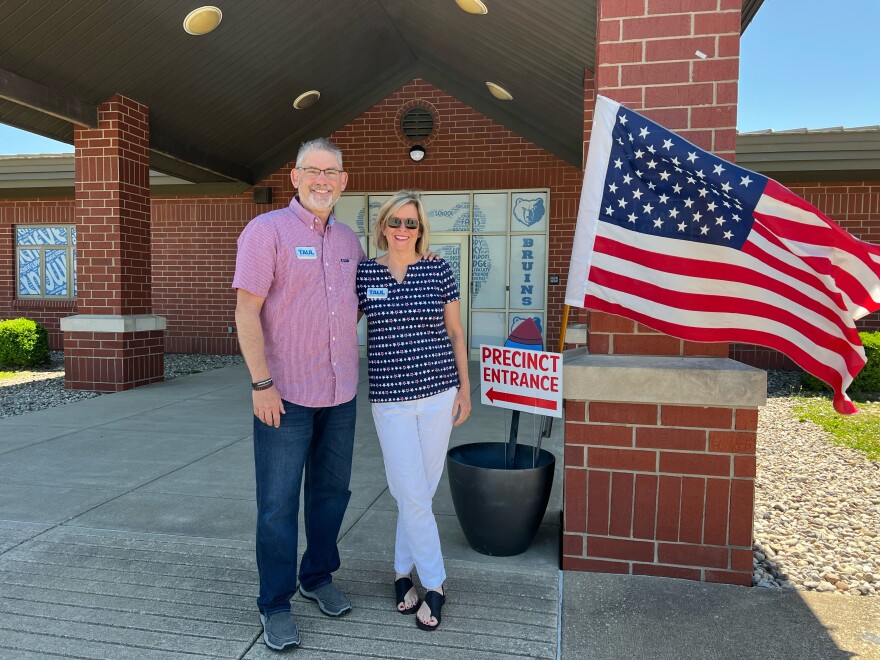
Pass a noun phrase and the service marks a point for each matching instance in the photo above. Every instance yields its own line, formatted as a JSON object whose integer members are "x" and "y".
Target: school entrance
{"x": 496, "y": 243}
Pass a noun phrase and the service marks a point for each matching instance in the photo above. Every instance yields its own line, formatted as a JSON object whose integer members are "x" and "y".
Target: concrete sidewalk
{"x": 126, "y": 531}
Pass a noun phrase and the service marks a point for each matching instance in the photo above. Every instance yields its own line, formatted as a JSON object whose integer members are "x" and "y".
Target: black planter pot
{"x": 500, "y": 510}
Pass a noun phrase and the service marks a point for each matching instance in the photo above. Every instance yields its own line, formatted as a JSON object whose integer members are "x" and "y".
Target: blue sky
{"x": 803, "y": 64}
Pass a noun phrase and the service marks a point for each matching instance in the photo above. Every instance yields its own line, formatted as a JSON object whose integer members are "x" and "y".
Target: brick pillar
{"x": 646, "y": 58}
{"x": 660, "y": 465}
{"x": 114, "y": 343}
{"x": 660, "y": 451}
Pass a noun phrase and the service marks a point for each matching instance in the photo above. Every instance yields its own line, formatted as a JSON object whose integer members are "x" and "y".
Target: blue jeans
{"x": 321, "y": 441}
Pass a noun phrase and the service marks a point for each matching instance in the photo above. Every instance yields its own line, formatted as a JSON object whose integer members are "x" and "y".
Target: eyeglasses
{"x": 409, "y": 223}
{"x": 314, "y": 172}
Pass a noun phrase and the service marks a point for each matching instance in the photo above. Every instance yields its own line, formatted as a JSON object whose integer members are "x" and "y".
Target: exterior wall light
{"x": 417, "y": 152}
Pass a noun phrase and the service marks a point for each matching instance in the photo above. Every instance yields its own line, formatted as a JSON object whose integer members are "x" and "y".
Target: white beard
{"x": 319, "y": 201}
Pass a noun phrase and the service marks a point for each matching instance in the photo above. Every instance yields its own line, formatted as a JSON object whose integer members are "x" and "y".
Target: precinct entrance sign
{"x": 521, "y": 379}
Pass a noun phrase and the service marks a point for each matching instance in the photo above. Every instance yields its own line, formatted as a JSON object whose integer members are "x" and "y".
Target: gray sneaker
{"x": 329, "y": 598}
{"x": 279, "y": 630}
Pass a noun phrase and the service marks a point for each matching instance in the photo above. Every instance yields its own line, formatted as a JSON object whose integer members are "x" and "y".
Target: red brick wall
{"x": 194, "y": 245}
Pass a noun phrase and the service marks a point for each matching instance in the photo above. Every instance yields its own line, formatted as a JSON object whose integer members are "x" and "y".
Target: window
{"x": 45, "y": 262}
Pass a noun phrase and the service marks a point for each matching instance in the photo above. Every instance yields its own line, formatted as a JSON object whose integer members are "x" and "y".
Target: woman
{"x": 419, "y": 387}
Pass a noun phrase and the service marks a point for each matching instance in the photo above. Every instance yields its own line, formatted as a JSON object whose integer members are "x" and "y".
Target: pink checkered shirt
{"x": 306, "y": 274}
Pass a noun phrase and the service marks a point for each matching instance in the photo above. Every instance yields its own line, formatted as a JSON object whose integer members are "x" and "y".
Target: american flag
{"x": 691, "y": 245}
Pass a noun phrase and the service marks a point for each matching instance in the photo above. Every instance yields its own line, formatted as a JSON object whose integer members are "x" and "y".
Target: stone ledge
{"x": 697, "y": 381}
{"x": 112, "y": 323}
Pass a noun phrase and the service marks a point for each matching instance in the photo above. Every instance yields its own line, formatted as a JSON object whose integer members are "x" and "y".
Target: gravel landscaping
{"x": 817, "y": 504}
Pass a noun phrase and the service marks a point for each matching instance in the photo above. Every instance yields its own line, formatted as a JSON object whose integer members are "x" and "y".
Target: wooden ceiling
{"x": 221, "y": 104}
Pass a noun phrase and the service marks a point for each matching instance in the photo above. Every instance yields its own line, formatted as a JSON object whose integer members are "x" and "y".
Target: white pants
{"x": 414, "y": 436}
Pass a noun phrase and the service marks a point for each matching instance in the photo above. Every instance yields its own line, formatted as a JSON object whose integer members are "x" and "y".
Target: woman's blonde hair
{"x": 389, "y": 208}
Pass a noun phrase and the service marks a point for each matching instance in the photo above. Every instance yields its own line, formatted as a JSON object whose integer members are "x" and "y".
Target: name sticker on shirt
{"x": 306, "y": 253}
{"x": 376, "y": 293}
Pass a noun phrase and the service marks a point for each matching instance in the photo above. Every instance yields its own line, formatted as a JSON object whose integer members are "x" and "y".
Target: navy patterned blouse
{"x": 410, "y": 354}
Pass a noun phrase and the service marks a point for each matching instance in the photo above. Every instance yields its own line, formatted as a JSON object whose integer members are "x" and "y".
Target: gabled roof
{"x": 221, "y": 104}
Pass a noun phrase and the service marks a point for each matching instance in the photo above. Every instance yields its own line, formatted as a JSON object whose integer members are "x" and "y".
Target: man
{"x": 297, "y": 315}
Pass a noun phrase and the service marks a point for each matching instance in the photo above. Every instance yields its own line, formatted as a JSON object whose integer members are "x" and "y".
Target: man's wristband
{"x": 262, "y": 384}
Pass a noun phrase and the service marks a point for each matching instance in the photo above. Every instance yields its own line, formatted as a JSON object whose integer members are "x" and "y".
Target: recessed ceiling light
{"x": 472, "y": 6}
{"x": 202, "y": 20}
{"x": 499, "y": 92}
{"x": 306, "y": 99}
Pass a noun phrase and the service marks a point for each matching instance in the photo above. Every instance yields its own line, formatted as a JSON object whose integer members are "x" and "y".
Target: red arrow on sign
{"x": 533, "y": 401}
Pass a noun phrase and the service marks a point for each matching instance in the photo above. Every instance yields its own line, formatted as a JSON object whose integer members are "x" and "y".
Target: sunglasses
{"x": 409, "y": 223}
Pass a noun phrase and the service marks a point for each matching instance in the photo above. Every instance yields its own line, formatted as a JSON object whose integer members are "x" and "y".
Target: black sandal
{"x": 401, "y": 589}
{"x": 435, "y": 601}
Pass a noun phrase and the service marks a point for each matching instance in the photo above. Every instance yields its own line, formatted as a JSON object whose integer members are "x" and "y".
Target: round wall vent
{"x": 417, "y": 124}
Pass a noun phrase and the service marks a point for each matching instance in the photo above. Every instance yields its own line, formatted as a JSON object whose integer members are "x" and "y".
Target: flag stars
{"x": 623, "y": 119}
{"x": 682, "y": 226}
{"x": 658, "y": 223}
{"x": 618, "y": 164}
{"x": 639, "y": 153}
{"x": 612, "y": 187}
{"x": 651, "y": 185}
{"x": 652, "y": 164}
{"x": 703, "y": 192}
{"x": 728, "y": 235}
{"x": 712, "y": 206}
{"x": 697, "y": 216}
{"x": 718, "y": 169}
{"x": 652, "y": 149}
{"x": 622, "y": 203}
{"x": 700, "y": 174}
{"x": 648, "y": 208}
{"x": 720, "y": 221}
{"x": 677, "y": 189}
{"x": 688, "y": 202}
{"x": 692, "y": 157}
{"x": 667, "y": 144}
{"x": 627, "y": 179}
{"x": 644, "y": 132}
{"x": 664, "y": 198}
{"x": 609, "y": 210}
{"x": 745, "y": 181}
{"x": 691, "y": 180}
{"x": 673, "y": 213}
{"x": 726, "y": 187}
{"x": 632, "y": 218}
{"x": 704, "y": 230}
{"x": 664, "y": 175}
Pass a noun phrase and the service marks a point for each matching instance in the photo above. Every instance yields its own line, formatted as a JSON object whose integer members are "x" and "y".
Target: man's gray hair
{"x": 318, "y": 144}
